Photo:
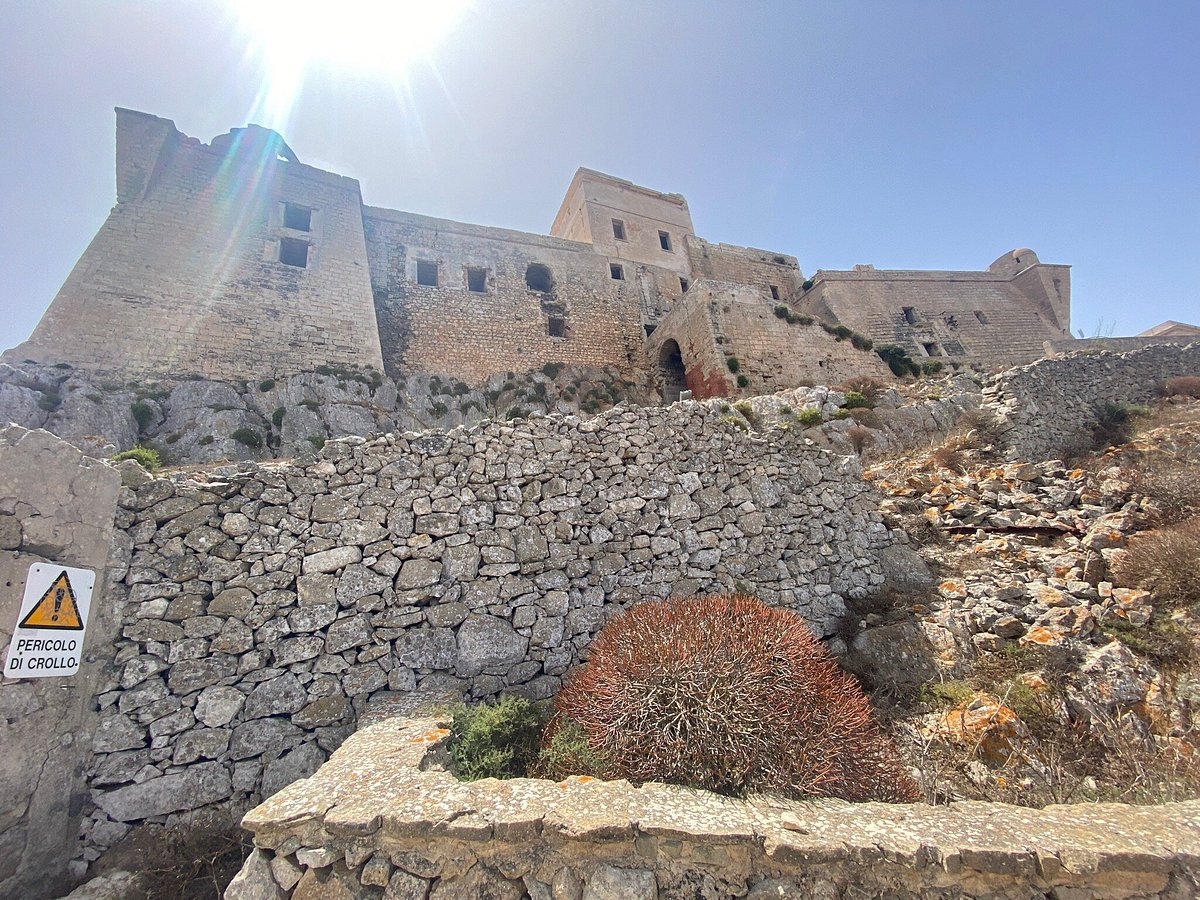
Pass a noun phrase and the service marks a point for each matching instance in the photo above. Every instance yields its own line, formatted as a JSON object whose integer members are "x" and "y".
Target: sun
{"x": 374, "y": 38}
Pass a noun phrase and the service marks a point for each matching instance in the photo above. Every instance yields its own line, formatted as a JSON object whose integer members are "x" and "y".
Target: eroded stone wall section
{"x": 268, "y": 605}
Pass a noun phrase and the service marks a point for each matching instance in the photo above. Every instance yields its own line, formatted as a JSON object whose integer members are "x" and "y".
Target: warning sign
{"x": 51, "y": 624}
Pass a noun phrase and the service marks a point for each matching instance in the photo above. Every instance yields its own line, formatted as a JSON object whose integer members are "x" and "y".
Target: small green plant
{"x": 809, "y": 417}
{"x": 311, "y": 405}
{"x": 146, "y": 457}
{"x": 551, "y": 369}
{"x": 438, "y": 408}
{"x": 143, "y": 414}
{"x": 898, "y": 360}
{"x": 266, "y": 384}
{"x": 249, "y": 437}
{"x": 1169, "y": 645}
{"x": 945, "y": 693}
{"x": 277, "y": 416}
{"x": 857, "y": 400}
{"x": 861, "y": 342}
{"x": 747, "y": 411}
{"x": 742, "y": 381}
{"x": 520, "y": 412}
{"x": 931, "y": 368}
{"x": 317, "y": 441}
{"x": 807, "y": 286}
{"x": 733, "y": 364}
{"x": 49, "y": 401}
{"x": 783, "y": 310}
{"x": 723, "y": 407}
{"x": 785, "y": 409}
{"x": 495, "y": 740}
{"x": 737, "y": 422}
{"x": 206, "y": 440}
{"x": 1114, "y": 423}
{"x": 565, "y": 751}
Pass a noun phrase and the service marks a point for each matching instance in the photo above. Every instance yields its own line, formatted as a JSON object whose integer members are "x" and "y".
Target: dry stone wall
{"x": 266, "y": 606}
{"x": 383, "y": 818}
{"x": 1053, "y": 405}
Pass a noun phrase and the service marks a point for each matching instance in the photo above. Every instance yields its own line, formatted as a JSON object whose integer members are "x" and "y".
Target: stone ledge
{"x": 384, "y": 809}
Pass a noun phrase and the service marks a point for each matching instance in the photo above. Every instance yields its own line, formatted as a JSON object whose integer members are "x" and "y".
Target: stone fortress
{"x": 235, "y": 260}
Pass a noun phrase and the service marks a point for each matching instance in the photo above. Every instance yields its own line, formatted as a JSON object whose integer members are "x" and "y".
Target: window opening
{"x": 293, "y": 252}
{"x": 427, "y": 273}
{"x": 476, "y": 280}
{"x": 672, "y": 372}
{"x": 983, "y": 320}
{"x": 774, "y": 292}
{"x": 684, "y": 284}
{"x": 650, "y": 326}
{"x": 931, "y": 349}
{"x": 664, "y": 240}
{"x": 537, "y": 278}
{"x": 298, "y": 218}
{"x": 616, "y": 272}
{"x": 780, "y": 261}
{"x": 556, "y": 326}
{"x": 618, "y": 229}
{"x": 910, "y": 315}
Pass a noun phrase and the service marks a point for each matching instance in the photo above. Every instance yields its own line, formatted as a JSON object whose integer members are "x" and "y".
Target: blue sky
{"x": 902, "y": 134}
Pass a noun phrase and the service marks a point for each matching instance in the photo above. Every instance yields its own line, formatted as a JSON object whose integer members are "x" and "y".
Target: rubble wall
{"x": 384, "y": 816}
{"x": 266, "y": 606}
{"x": 1052, "y": 405}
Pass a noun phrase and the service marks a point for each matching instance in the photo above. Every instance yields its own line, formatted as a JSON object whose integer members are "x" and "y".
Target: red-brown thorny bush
{"x": 729, "y": 694}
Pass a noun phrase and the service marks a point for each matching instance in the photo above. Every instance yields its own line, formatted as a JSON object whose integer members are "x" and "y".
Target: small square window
{"x": 616, "y": 271}
{"x": 556, "y": 326}
{"x": 774, "y": 292}
{"x": 618, "y": 229}
{"x": 664, "y": 240}
{"x": 298, "y": 218}
{"x": 931, "y": 349}
{"x": 476, "y": 280}
{"x": 293, "y": 252}
{"x": 684, "y": 284}
{"x": 427, "y": 273}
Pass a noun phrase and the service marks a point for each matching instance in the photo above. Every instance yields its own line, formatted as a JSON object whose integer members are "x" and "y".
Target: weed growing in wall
{"x": 146, "y": 457}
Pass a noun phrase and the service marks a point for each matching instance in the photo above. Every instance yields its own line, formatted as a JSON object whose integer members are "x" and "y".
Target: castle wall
{"x": 965, "y": 317}
{"x": 265, "y": 609}
{"x": 449, "y": 328}
{"x": 746, "y": 265}
{"x": 185, "y": 276}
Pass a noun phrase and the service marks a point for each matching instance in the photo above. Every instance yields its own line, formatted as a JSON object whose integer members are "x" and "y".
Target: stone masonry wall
{"x": 1051, "y": 406}
{"x": 184, "y": 277}
{"x": 56, "y": 505}
{"x": 383, "y": 817}
{"x": 762, "y": 269}
{"x": 266, "y": 606}
{"x": 471, "y": 335}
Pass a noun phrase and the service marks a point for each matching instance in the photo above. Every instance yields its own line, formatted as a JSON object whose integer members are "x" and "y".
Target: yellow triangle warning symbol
{"x": 56, "y": 609}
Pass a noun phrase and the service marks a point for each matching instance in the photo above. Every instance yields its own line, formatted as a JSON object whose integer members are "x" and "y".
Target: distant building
{"x": 235, "y": 260}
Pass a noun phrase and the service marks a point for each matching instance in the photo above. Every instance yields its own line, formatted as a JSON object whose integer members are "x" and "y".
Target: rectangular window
{"x": 664, "y": 240}
{"x": 556, "y": 326}
{"x": 684, "y": 284}
{"x": 427, "y": 272}
{"x": 983, "y": 320}
{"x": 476, "y": 280}
{"x": 616, "y": 272}
{"x": 293, "y": 252}
{"x": 910, "y": 315}
{"x": 618, "y": 229}
{"x": 774, "y": 292}
{"x": 931, "y": 349}
{"x": 298, "y": 218}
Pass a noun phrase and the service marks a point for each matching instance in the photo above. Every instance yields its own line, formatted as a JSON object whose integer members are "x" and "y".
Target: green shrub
{"x": 747, "y": 411}
{"x": 898, "y": 360}
{"x": 728, "y": 694}
{"x": 861, "y": 342}
{"x": 807, "y": 286}
{"x": 311, "y": 405}
{"x": 146, "y": 457}
{"x": 742, "y": 381}
{"x": 782, "y": 310}
{"x": 931, "y": 368}
{"x": 857, "y": 400}
{"x": 565, "y": 751}
{"x": 495, "y": 740}
{"x": 277, "y": 416}
{"x": 519, "y": 412}
{"x": 143, "y": 414}
{"x": 1169, "y": 645}
{"x": 438, "y": 408}
{"x": 733, "y": 364}
{"x": 945, "y": 693}
{"x": 248, "y": 436}
{"x": 266, "y": 384}
{"x": 1114, "y": 423}
{"x": 809, "y": 417}
{"x": 49, "y": 401}
{"x": 318, "y": 442}
{"x": 551, "y": 369}
{"x": 206, "y": 440}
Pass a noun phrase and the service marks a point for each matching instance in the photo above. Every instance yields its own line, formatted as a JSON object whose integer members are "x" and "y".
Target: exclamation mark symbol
{"x": 58, "y": 599}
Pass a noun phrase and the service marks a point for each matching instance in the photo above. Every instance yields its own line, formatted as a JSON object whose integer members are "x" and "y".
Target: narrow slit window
{"x": 616, "y": 271}
{"x": 298, "y": 218}
{"x": 556, "y": 326}
{"x": 293, "y": 252}
{"x": 684, "y": 284}
{"x": 476, "y": 280}
{"x": 427, "y": 273}
{"x": 664, "y": 240}
{"x": 910, "y": 315}
{"x": 932, "y": 349}
{"x": 774, "y": 292}
{"x": 618, "y": 229}
{"x": 983, "y": 319}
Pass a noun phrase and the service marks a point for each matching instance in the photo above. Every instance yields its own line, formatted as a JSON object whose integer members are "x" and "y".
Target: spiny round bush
{"x": 728, "y": 694}
{"x": 1165, "y": 562}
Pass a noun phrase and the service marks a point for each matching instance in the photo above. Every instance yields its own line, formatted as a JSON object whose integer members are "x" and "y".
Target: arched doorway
{"x": 671, "y": 371}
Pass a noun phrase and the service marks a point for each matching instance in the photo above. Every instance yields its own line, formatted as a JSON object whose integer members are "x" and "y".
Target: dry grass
{"x": 1165, "y": 562}
{"x": 1183, "y": 386}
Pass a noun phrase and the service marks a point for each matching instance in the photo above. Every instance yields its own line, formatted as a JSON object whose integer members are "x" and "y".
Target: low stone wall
{"x": 1050, "y": 405}
{"x": 383, "y": 818}
{"x": 266, "y": 605}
